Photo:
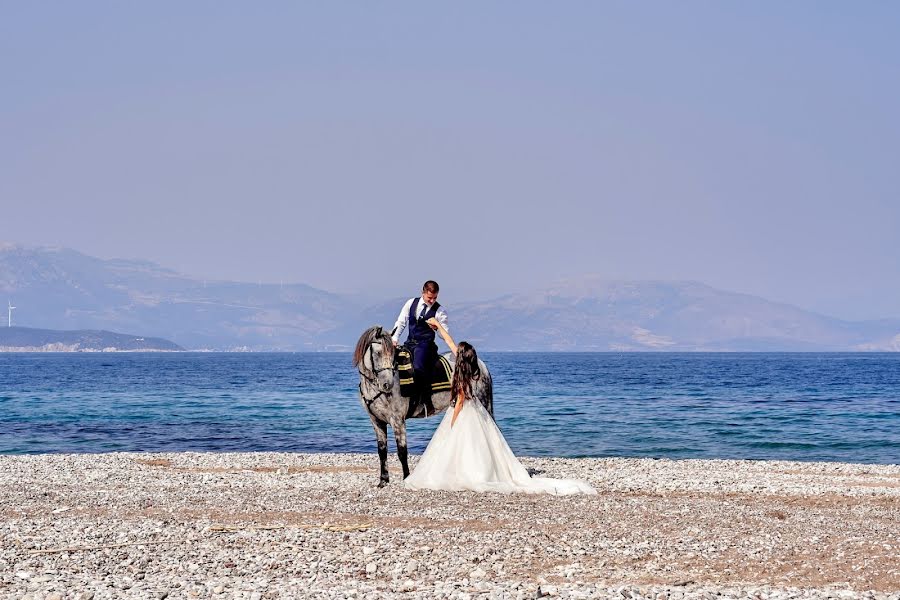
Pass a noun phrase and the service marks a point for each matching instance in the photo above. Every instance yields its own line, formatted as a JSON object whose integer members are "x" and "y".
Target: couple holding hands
{"x": 467, "y": 451}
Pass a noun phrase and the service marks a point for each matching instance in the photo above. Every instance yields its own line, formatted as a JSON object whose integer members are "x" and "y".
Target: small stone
{"x": 53, "y": 596}
{"x": 367, "y": 551}
{"x": 477, "y": 574}
{"x": 218, "y": 589}
{"x": 371, "y": 568}
{"x": 412, "y": 566}
{"x": 162, "y": 595}
{"x": 24, "y": 574}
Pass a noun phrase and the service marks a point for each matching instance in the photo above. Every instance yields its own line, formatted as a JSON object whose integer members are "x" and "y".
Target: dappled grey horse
{"x": 379, "y": 393}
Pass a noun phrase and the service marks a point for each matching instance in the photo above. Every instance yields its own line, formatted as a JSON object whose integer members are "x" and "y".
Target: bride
{"x": 468, "y": 452}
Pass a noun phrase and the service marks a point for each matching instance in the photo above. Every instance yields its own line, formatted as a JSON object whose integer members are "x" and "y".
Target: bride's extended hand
{"x": 436, "y": 325}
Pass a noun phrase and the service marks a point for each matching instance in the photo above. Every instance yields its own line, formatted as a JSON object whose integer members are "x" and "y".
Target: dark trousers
{"x": 424, "y": 357}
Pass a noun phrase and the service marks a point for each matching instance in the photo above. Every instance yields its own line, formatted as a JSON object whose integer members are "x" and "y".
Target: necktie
{"x": 424, "y": 310}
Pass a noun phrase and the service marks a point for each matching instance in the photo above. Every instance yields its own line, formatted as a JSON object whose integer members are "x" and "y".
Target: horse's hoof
{"x": 382, "y": 483}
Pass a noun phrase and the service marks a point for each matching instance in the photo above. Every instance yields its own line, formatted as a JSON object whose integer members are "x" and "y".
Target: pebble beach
{"x": 273, "y": 525}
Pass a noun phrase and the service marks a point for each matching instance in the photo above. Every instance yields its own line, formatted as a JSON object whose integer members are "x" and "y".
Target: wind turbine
{"x": 10, "y": 308}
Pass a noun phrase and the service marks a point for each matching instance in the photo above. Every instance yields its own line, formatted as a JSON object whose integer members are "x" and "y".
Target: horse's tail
{"x": 490, "y": 394}
{"x": 488, "y": 383}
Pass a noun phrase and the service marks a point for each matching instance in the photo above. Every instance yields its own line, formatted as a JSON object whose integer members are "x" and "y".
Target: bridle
{"x": 373, "y": 378}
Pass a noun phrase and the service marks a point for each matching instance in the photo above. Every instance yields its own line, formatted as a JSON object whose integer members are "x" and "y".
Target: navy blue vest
{"x": 419, "y": 331}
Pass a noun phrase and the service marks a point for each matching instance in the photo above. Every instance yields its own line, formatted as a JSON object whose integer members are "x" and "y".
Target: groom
{"x": 415, "y": 313}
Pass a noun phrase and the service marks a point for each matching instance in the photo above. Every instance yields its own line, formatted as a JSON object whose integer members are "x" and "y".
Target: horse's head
{"x": 374, "y": 357}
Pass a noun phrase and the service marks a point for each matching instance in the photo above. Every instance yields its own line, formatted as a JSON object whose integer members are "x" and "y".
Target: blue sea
{"x": 810, "y": 407}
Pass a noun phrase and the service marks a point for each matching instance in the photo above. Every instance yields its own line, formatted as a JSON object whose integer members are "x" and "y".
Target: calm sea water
{"x": 833, "y": 407}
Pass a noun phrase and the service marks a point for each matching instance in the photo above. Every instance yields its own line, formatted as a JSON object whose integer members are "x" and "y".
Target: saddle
{"x": 441, "y": 374}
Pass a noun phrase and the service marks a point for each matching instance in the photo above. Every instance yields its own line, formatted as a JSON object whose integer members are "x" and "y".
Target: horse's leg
{"x": 381, "y": 437}
{"x": 400, "y": 437}
{"x": 490, "y": 396}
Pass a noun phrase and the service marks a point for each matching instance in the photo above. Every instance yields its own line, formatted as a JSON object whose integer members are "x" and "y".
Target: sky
{"x": 495, "y": 147}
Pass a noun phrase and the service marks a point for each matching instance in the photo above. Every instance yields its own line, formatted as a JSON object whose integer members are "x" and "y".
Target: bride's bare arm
{"x": 435, "y": 324}
{"x": 459, "y": 403}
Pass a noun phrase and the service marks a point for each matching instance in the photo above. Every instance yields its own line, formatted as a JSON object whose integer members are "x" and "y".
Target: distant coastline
{"x": 27, "y": 339}
{"x": 73, "y": 348}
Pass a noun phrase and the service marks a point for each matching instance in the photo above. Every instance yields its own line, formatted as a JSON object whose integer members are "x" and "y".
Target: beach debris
{"x": 322, "y": 526}
{"x": 102, "y": 547}
{"x": 545, "y": 590}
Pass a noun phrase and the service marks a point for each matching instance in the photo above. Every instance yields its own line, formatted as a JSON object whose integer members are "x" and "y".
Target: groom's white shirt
{"x": 403, "y": 317}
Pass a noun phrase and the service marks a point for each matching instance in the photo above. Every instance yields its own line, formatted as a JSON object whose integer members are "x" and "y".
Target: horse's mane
{"x": 376, "y": 332}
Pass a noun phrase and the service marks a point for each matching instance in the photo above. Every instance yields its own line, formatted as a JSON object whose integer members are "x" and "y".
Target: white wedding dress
{"x": 473, "y": 455}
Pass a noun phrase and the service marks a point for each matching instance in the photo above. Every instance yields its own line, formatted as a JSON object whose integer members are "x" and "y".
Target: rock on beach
{"x": 272, "y": 525}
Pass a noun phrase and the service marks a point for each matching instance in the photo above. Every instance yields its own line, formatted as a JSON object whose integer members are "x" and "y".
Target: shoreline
{"x": 851, "y": 352}
{"x": 413, "y": 457}
{"x": 259, "y": 525}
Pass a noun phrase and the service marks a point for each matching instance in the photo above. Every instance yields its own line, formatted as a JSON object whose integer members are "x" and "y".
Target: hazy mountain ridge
{"x": 654, "y": 315}
{"x": 63, "y": 289}
{"x": 69, "y": 290}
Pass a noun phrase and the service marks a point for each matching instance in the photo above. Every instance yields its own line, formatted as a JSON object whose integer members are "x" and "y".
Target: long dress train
{"x": 473, "y": 455}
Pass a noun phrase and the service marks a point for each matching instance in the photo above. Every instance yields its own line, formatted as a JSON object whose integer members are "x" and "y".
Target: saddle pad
{"x": 440, "y": 380}
{"x": 441, "y": 374}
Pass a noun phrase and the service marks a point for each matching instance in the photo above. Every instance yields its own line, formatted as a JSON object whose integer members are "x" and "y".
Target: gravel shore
{"x": 269, "y": 525}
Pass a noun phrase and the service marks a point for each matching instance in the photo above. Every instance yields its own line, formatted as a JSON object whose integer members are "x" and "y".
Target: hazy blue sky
{"x": 495, "y": 147}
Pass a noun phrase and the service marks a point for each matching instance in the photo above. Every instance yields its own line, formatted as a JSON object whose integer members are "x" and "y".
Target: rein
{"x": 372, "y": 379}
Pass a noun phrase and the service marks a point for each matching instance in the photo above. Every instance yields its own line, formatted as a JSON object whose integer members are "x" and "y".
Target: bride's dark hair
{"x": 465, "y": 371}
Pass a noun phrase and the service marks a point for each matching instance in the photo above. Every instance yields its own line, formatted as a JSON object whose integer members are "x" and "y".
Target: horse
{"x": 379, "y": 394}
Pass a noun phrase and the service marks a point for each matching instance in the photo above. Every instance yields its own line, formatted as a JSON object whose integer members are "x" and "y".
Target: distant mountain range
{"x": 47, "y": 340}
{"x": 56, "y": 288}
